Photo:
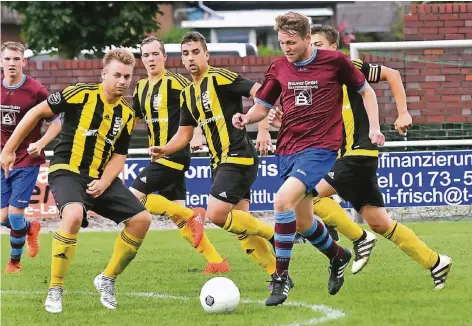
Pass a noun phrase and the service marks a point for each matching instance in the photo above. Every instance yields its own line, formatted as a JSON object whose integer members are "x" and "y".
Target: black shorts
{"x": 232, "y": 182}
{"x": 117, "y": 203}
{"x": 355, "y": 180}
{"x": 168, "y": 182}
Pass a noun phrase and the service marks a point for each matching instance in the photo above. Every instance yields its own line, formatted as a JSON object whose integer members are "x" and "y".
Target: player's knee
{"x": 217, "y": 217}
{"x": 303, "y": 226}
{"x": 379, "y": 228}
{"x": 378, "y": 219}
{"x": 72, "y": 215}
{"x": 217, "y": 211}
{"x": 4, "y": 216}
{"x": 142, "y": 221}
{"x": 282, "y": 203}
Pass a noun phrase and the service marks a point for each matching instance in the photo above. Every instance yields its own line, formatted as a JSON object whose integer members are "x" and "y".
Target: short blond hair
{"x": 14, "y": 46}
{"x": 293, "y": 22}
{"x": 121, "y": 55}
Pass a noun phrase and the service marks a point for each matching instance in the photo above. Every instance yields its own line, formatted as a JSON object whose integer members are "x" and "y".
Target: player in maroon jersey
{"x": 309, "y": 82}
{"x": 19, "y": 94}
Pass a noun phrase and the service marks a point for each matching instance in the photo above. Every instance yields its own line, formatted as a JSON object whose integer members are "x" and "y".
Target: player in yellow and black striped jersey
{"x": 356, "y": 141}
{"x": 210, "y": 102}
{"x": 354, "y": 174}
{"x": 93, "y": 129}
{"x": 156, "y": 100}
{"x": 84, "y": 171}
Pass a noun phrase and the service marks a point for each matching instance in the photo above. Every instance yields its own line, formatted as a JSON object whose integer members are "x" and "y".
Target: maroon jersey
{"x": 311, "y": 97}
{"x": 15, "y": 102}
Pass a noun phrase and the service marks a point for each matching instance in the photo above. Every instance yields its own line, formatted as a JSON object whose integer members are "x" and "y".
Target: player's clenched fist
{"x": 240, "y": 120}
{"x": 7, "y": 160}
{"x": 275, "y": 117}
{"x": 156, "y": 152}
{"x": 376, "y": 137}
{"x": 403, "y": 123}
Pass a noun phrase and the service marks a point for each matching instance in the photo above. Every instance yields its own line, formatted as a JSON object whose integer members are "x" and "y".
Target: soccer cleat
{"x": 362, "y": 251}
{"x": 280, "y": 289}
{"x": 336, "y": 272}
{"x": 299, "y": 239}
{"x": 215, "y": 268}
{"x": 440, "y": 272}
{"x": 13, "y": 267}
{"x": 290, "y": 281}
{"x": 197, "y": 225}
{"x": 53, "y": 302}
{"x": 32, "y": 238}
{"x": 106, "y": 287}
{"x": 333, "y": 233}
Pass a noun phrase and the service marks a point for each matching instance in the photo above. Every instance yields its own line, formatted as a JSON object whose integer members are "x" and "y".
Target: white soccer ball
{"x": 219, "y": 295}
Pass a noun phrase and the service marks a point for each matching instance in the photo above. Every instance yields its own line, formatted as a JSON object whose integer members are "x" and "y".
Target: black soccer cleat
{"x": 290, "y": 281}
{"x": 299, "y": 239}
{"x": 336, "y": 272}
{"x": 280, "y": 289}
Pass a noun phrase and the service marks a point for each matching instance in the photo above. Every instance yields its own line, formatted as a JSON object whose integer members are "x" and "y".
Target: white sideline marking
{"x": 329, "y": 313}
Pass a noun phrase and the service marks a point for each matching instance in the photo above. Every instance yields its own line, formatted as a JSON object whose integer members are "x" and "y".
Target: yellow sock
{"x": 126, "y": 248}
{"x": 333, "y": 214}
{"x": 258, "y": 249}
{"x": 410, "y": 244}
{"x": 158, "y": 205}
{"x": 205, "y": 246}
{"x": 63, "y": 250}
{"x": 239, "y": 222}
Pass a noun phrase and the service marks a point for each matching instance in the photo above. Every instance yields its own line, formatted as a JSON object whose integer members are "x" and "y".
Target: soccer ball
{"x": 219, "y": 295}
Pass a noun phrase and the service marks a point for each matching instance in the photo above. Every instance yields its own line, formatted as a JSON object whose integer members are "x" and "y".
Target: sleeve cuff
{"x": 258, "y": 100}
{"x": 360, "y": 90}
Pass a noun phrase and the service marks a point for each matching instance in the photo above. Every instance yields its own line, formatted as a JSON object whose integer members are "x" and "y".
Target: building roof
{"x": 250, "y": 18}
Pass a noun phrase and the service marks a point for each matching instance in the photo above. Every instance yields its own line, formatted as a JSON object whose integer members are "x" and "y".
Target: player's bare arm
{"x": 110, "y": 173}
{"x": 263, "y": 140}
{"x": 255, "y": 114}
{"x": 180, "y": 140}
{"x": 29, "y": 121}
{"x": 197, "y": 140}
{"x": 54, "y": 128}
{"x": 394, "y": 80}
{"x": 372, "y": 109}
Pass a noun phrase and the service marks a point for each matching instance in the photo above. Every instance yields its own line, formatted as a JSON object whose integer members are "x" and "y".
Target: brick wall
{"x": 437, "y": 81}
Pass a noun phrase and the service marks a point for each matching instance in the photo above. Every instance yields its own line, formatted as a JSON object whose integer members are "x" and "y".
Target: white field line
{"x": 329, "y": 313}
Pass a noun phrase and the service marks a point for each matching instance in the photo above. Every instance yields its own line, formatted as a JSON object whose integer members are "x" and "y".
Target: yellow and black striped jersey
{"x": 211, "y": 104}
{"x": 92, "y": 130}
{"x": 158, "y": 103}
{"x": 356, "y": 139}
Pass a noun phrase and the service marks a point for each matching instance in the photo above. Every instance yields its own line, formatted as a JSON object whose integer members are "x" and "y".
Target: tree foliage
{"x": 175, "y": 35}
{"x": 74, "y": 26}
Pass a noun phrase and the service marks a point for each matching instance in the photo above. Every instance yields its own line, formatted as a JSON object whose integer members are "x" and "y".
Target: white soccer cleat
{"x": 53, "y": 302}
{"x": 440, "y": 272}
{"x": 106, "y": 287}
{"x": 362, "y": 251}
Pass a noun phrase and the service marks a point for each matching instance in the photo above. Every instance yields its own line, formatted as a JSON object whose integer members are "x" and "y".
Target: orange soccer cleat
{"x": 215, "y": 268}
{"x": 13, "y": 267}
{"x": 32, "y": 238}
{"x": 197, "y": 225}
